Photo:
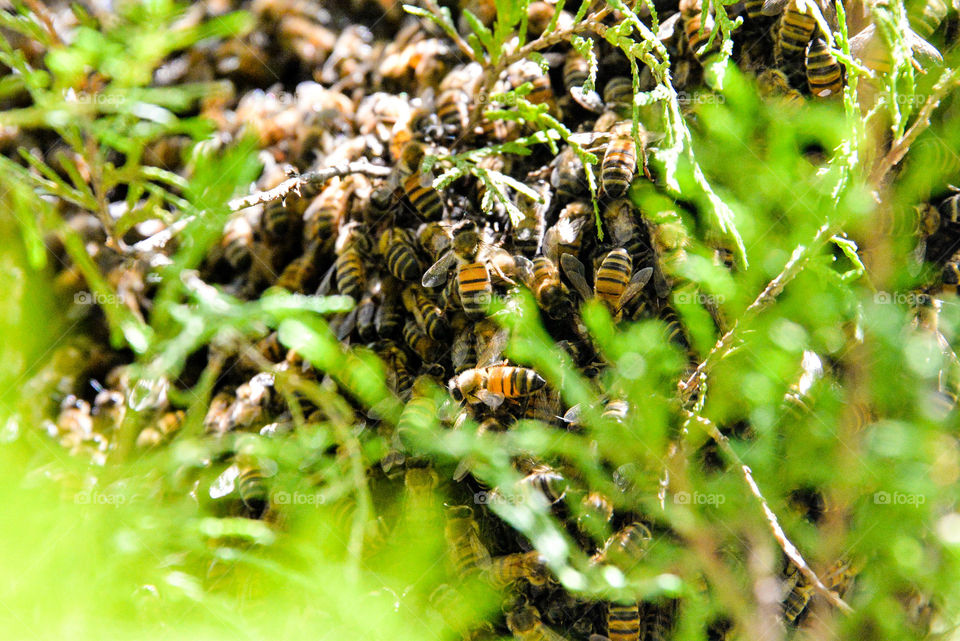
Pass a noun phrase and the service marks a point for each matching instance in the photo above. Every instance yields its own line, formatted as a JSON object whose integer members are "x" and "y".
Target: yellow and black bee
{"x": 428, "y": 316}
{"x": 696, "y": 28}
{"x": 397, "y": 249}
{"x": 349, "y": 269}
{"x": 237, "y": 243}
{"x": 547, "y": 481}
{"x": 508, "y": 569}
{"x": 491, "y": 385}
{"x": 824, "y": 73}
{"x": 467, "y": 552}
{"x": 618, "y": 95}
{"x": 576, "y": 73}
{"x": 474, "y": 286}
{"x": 615, "y": 283}
{"x": 526, "y": 625}
{"x": 568, "y": 176}
{"x": 566, "y": 236}
{"x": 542, "y": 277}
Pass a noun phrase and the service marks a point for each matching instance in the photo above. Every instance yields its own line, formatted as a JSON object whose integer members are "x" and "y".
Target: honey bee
{"x": 237, "y": 243}
{"x": 950, "y": 274}
{"x": 301, "y": 272}
{"x": 542, "y": 277}
{"x": 626, "y": 546}
{"x": 492, "y": 384}
{"x": 467, "y": 551}
{"x": 568, "y": 176}
{"x": 353, "y": 45}
{"x": 567, "y": 234}
{"x": 615, "y": 284}
{"x": 379, "y": 112}
{"x": 418, "y": 187}
{"x": 697, "y": 29}
{"x": 434, "y": 238}
{"x": 473, "y": 275}
{"x": 463, "y": 354}
{"x": 325, "y": 213}
{"x": 428, "y": 316}
{"x": 422, "y": 345}
{"x": 167, "y": 424}
{"x": 619, "y": 164}
{"x": 420, "y": 483}
{"x": 349, "y": 268}
{"x": 251, "y": 403}
{"x": 399, "y": 378}
{"x": 507, "y": 570}
{"x": 796, "y": 28}
{"x": 773, "y": 83}
{"x": 824, "y": 74}
{"x": 637, "y": 238}
{"x": 525, "y": 624}
{"x": 421, "y": 411}
{"x": 252, "y": 488}
{"x": 541, "y": 93}
{"x": 217, "y": 419}
{"x": 576, "y": 73}
{"x": 527, "y": 235}
{"x": 388, "y": 318}
{"x": 596, "y": 511}
{"x": 397, "y": 248}
{"x": 546, "y": 480}
{"x": 623, "y": 621}
{"x": 618, "y": 95}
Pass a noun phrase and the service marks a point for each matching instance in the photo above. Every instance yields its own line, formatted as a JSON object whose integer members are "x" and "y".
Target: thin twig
{"x": 902, "y": 144}
{"x": 589, "y": 23}
{"x": 318, "y": 176}
{"x": 432, "y": 7}
{"x": 797, "y": 262}
{"x": 43, "y": 15}
{"x": 785, "y": 544}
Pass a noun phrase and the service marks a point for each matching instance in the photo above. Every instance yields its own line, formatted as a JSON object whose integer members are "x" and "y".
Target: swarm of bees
{"x": 425, "y": 266}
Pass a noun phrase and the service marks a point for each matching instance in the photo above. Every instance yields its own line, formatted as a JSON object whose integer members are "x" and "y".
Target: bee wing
{"x": 437, "y": 274}
{"x": 346, "y": 325}
{"x": 324, "y": 287}
{"x": 463, "y": 468}
{"x": 637, "y": 282}
{"x": 668, "y": 27}
{"x": 365, "y": 313}
{"x": 493, "y": 349}
{"x": 925, "y": 52}
{"x": 574, "y": 270}
{"x": 524, "y": 269}
{"x": 774, "y": 7}
{"x": 660, "y": 284}
{"x": 573, "y": 414}
{"x": 590, "y": 139}
{"x": 491, "y": 400}
{"x": 589, "y": 100}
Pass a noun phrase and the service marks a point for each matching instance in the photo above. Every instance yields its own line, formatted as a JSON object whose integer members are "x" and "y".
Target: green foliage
{"x": 140, "y": 548}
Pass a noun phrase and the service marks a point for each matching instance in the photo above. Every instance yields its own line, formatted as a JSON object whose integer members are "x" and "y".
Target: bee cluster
{"x": 424, "y": 265}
